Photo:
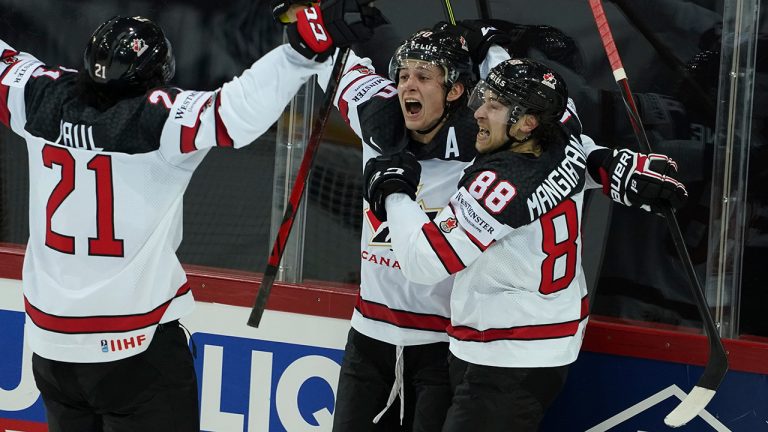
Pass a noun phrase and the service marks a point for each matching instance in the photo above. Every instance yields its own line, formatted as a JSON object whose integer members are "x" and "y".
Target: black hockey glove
{"x": 281, "y": 7}
{"x": 478, "y": 34}
{"x": 384, "y": 175}
{"x": 351, "y": 21}
{"x": 640, "y": 180}
{"x": 309, "y": 35}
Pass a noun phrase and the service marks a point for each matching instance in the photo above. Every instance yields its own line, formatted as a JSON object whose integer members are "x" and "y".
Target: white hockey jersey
{"x": 106, "y": 193}
{"x": 511, "y": 236}
{"x": 390, "y": 308}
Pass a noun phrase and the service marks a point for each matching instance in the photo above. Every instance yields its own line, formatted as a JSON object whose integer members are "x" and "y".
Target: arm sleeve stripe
{"x": 188, "y": 135}
{"x": 343, "y": 104}
{"x": 5, "y": 112}
{"x": 100, "y": 324}
{"x": 444, "y": 251}
{"x": 532, "y": 332}
{"x": 474, "y": 239}
{"x": 400, "y": 318}
{"x": 222, "y": 135}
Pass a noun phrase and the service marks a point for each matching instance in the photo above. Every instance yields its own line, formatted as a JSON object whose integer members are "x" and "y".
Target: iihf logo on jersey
{"x": 139, "y": 46}
{"x": 448, "y": 225}
{"x": 120, "y": 344}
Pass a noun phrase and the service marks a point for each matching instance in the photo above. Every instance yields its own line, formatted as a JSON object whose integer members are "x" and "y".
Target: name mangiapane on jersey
{"x": 560, "y": 183}
{"x": 76, "y": 136}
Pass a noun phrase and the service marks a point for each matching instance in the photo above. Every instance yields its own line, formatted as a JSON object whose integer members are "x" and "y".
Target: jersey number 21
{"x": 105, "y": 243}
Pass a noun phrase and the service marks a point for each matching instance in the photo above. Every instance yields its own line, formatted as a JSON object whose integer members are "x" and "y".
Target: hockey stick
{"x": 297, "y": 192}
{"x": 449, "y": 11}
{"x": 717, "y": 364}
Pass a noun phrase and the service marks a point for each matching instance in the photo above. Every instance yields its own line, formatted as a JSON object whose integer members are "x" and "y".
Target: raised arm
{"x": 16, "y": 69}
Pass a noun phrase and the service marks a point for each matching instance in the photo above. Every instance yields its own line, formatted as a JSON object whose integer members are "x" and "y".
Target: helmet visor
{"x": 417, "y": 61}
{"x": 484, "y": 95}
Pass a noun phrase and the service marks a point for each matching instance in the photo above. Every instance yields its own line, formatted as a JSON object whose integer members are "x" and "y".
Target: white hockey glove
{"x": 640, "y": 180}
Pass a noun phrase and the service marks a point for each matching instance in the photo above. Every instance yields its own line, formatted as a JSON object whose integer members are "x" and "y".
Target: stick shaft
{"x": 297, "y": 193}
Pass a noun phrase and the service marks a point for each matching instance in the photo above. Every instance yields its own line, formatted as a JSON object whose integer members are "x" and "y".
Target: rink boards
{"x": 282, "y": 376}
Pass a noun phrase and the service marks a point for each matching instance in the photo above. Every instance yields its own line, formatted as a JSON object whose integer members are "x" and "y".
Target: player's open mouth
{"x": 483, "y": 133}
{"x": 412, "y": 106}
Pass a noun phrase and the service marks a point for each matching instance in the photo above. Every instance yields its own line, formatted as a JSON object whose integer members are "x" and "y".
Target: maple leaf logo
{"x": 448, "y": 225}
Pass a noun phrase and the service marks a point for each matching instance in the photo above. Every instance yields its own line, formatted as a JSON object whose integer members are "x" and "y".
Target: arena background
{"x": 232, "y": 203}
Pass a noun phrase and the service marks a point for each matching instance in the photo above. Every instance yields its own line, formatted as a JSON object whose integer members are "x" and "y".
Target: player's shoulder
{"x": 55, "y": 81}
{"x": 518, "y": 188}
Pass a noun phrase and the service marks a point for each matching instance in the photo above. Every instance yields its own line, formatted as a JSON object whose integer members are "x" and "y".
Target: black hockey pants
{"x": 366, "y": 379}
{"x": 152, "y": 391}
{"x": 496, "y": 399}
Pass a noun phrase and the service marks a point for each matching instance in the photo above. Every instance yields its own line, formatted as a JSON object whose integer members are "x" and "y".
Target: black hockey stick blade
{"x": 717, "y": 363}
{"x": 297, "y": 192}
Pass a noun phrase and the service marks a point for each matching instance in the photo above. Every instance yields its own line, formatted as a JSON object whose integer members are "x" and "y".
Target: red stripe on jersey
{"x": 99, "y": 324}
{"x": 400, "y": 318}
{"x": 5, "y": 112}
{"x": 474, "y": 239}
{"x": 448, "y": 256}
{"x": 222, "y": 135}
{"x": 343, "y": 104}
{"x": 188, "y": 134}
{"x": 532, "y": 332}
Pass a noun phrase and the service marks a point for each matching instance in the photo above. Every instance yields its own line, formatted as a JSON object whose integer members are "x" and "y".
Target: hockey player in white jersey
{"x": 111, "y": 152}
{"x": 397, "y": 349}
{"x": 511, "y": 236}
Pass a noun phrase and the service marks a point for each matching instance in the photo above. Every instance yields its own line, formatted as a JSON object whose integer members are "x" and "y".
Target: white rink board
{"x": 252, "y": 380}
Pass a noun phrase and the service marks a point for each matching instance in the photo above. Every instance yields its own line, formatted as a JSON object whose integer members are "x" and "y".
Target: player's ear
{"x": 528, "y": 123}
{"x": 457, "y": 89}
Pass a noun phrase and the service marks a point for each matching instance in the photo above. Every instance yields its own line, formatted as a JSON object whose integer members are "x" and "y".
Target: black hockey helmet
{"x": 129, "y": 52}
{"x": 527, "y": 87}
{"x": 438, "y": 47}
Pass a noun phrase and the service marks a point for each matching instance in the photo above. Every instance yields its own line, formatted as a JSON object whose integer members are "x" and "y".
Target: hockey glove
{"x": 309, "y": 35}
{"x": 384, "y": 175}
{"x": 640, "y": 180}
{"x": 478, "y": 34}
{"x": 350, "y": 21}
{"x": 281, "y": 9}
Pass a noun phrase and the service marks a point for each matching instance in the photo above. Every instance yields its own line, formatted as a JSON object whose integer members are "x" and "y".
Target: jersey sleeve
{"x": 596, "y": 155}
{"x": 240, "y": 111}
{"x": 496, "y": 55}
{"x": 430, "y": 251}
{"x": 16, "y": 69}
{"x": 573, "y": 127}
{"x": 368, "y": 103}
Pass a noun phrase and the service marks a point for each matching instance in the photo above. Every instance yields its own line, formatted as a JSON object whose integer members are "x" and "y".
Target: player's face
{"x": 492, "y": 120}
{"x": 422, "y": 93}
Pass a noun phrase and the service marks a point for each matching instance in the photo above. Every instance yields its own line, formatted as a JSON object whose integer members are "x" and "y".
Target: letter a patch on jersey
{"x": 451, "y": 145}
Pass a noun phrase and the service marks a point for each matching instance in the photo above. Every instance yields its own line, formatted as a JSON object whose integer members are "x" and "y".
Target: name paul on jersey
{"x": 560, "y": 183}
{"x": 76, "y": 136}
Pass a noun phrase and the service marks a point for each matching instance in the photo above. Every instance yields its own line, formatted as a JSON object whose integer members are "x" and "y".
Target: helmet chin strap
{"x": 512, "y": 141}
{"x": 442, "y": 117}
{"x": 437, "y": 123}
